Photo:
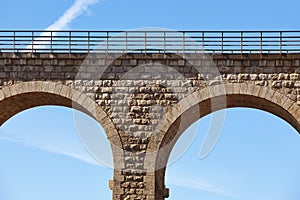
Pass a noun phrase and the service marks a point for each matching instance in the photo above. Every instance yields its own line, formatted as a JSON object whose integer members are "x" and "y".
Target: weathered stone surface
{"x": 140, "y": 106}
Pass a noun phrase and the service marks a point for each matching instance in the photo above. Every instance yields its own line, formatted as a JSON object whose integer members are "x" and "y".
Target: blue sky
{"x": 255, "y": 158}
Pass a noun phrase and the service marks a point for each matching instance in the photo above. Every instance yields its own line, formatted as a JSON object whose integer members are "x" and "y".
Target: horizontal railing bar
{"x": 209, "y": 44}
{"x": 151, "y": 41}
{"x": 130, "y": 41}
{"x": 151, "y": 36}
{"x": 187, "y": 36}
{"x": 150, "y": 31}
{"x": 159, "y": 42}
{"x": 158, "y": 49}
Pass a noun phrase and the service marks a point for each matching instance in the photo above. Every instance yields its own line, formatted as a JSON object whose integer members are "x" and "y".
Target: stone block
{"x": 137, "y": 110}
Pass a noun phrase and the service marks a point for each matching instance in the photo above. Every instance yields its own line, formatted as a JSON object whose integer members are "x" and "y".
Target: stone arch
{"x": 21, "y": 96}
{"x": 236, "y": 94}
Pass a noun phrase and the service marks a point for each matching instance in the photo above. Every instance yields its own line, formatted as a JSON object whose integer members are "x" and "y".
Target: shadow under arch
{"x": 25, "y": 95}
{"x": 252, "y": 96}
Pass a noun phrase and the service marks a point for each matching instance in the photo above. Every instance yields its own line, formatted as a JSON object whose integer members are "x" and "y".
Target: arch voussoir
{"x": 237, "y": 95}
{"x": 21, "y": 96}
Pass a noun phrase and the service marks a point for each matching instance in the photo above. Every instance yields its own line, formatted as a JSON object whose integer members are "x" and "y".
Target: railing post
{"x": 51, "y": 42}
{"x": 70, "y": 38}
{"x": 261, "y": 45}
{"x": 203, "y": 43}
{"x": 89, "y": 35}
{"x": 32, "y": 42}
{"x": 126, "y": 42}
{"x": 14, "y": 42}
{"x": 165, "y": 43}
{"x": 280, "y": 43}
{"x": 242, "y": 37}
{"x": 145, "y": 42}
{"x": 107, "y": 37}
{"x": 183, "y": 42}
{"x": 222, "y": 42}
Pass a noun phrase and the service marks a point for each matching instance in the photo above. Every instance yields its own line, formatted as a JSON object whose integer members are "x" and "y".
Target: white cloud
{"x": 201, "y": 185}
{"x": 77, "y": 9}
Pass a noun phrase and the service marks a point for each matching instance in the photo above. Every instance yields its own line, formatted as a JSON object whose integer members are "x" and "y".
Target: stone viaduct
{"x": 145, "y": 100}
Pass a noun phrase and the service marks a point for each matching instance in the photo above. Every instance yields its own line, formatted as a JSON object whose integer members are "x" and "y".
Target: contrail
{"x": 77, "y": 9}
{"x": 63, "y": 22}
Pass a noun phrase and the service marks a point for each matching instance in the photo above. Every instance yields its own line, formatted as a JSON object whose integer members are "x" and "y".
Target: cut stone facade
{"x": 145, "y": 101}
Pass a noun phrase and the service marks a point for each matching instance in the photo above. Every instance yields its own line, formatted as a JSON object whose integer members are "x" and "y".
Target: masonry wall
{"x": 137, "y": 90}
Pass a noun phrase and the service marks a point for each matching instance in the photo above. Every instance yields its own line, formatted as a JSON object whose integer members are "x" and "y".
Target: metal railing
{"x": 216, "y": 42}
